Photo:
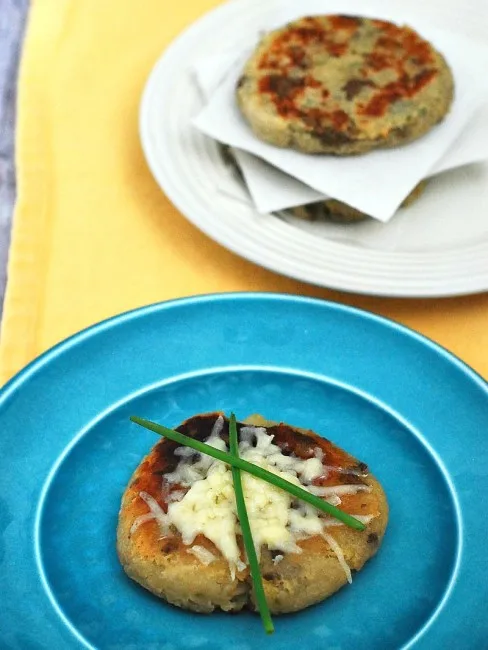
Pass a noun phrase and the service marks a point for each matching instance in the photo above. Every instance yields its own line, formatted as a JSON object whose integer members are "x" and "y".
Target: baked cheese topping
{"x": 277, "y": 519}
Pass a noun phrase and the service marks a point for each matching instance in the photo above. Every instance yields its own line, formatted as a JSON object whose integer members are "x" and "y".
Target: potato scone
{"x": 178, "y": 534}
{"x": 342, "y": 212}
{"x": 330, "y": 209}
{"x": 344, "y": 85}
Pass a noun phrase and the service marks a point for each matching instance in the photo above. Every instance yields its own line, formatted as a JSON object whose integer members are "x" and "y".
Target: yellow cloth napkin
{"x": 93, "y": 234}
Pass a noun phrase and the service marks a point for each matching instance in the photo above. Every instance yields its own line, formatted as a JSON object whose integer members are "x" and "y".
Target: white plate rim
{"x": 340, "y": 266}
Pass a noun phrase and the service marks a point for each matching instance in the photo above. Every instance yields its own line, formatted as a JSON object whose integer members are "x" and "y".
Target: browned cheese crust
{"x": 165, "y": 567}
{"x": 344, "y": 85}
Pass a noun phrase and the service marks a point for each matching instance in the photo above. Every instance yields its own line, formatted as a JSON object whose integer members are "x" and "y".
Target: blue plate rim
{"x": 73, "y": 339}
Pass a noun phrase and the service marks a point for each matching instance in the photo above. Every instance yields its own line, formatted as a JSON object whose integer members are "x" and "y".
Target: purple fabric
{"x": 13, "y": 15}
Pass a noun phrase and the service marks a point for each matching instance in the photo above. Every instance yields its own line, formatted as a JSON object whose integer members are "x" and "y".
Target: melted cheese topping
{"x": 209, "y": 506}
{"x": 277, "y": 519}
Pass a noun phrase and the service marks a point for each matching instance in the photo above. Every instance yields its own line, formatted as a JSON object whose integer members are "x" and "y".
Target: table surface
{"x": 13, "y": 15}
{"x": 50, "y": 292}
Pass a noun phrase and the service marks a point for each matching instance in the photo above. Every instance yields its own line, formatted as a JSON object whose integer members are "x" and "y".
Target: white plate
{"x": 189, "y": 168}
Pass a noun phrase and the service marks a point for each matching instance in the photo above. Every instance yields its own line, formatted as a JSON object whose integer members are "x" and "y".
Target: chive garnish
{"x": 246, "y": 532}
{"x": 255, "y": 470}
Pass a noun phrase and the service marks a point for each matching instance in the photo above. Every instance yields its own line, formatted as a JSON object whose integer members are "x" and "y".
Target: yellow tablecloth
{"x": 93, "y": 234}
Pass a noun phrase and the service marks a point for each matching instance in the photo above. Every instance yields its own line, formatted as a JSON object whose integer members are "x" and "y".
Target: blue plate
{"x": 413, "y": 412}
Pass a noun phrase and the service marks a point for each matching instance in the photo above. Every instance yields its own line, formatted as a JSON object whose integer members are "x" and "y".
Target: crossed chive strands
{"x": 237, "y": 464}
{"x": 246, "y": 532}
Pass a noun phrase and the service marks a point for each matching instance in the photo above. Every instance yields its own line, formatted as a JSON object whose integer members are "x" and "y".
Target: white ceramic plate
{"x": 432, "y": 259}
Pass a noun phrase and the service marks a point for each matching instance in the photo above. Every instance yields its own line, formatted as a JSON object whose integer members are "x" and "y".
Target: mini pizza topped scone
{"x": 178, "y": 534}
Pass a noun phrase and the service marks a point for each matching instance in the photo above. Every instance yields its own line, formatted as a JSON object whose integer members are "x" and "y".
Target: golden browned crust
{"x": 344, "y": 85}
{"x": 165, "y": 567}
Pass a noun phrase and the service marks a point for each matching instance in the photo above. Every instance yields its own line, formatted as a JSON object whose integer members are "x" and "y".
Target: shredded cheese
{"x": 338, "y": 490}
{"x": 138, "y": 521}
{"x": 277, "y": 519}
{"x": 156, "y": 511}
{"x": 339, "y": 554}
{"x": 205, "y": 556}
{"x": 330, "y": 521}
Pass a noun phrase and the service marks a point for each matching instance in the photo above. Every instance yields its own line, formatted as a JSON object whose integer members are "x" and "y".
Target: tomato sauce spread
{"x": 398, "y": 50}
